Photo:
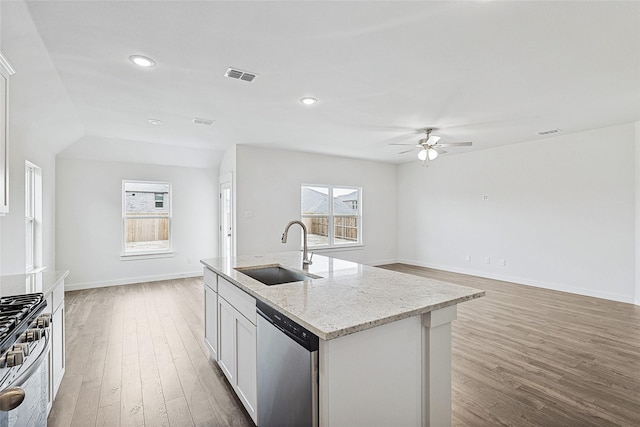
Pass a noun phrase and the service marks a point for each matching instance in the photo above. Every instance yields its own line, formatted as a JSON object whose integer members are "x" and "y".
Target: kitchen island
{"x": 385, "y": 337}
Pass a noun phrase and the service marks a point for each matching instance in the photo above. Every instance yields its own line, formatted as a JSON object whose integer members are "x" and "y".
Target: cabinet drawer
{"x": 238, "y": 298}
{"x": 211, "y": 279}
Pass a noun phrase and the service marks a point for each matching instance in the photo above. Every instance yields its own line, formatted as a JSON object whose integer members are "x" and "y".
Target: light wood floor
{"x": 522, "y": 356}
{"x": 525, "y": 356}
{"x": 135, "y": 356}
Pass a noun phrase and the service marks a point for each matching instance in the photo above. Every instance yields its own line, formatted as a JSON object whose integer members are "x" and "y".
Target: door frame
{"x": 226, "y": 181}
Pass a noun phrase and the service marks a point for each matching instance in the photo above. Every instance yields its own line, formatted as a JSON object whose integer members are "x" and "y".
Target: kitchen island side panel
{"x": 373, "y": 377}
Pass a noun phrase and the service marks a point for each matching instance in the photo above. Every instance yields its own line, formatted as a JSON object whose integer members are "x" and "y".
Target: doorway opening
{"x": 226, "y": 216}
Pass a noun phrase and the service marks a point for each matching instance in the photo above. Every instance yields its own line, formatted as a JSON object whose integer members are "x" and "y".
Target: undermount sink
{"x": 275, "y": 275}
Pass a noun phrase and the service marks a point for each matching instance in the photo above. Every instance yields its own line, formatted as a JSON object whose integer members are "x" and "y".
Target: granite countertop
{"x": 347, "y": 298}
{"x": 18, "y": 284}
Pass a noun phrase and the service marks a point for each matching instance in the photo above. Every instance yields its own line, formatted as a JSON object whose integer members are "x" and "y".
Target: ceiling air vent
{"x": 548, "y": 132}
{"x": 204, "y": 122}
{"x": 234, "y": 73}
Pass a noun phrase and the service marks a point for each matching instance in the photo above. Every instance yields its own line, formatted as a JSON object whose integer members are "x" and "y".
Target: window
{"x": 159, "y": 197}
{"x": 332, "y": 224}
{"x": 33, "y": 216}
{"x": 146, "y": 217}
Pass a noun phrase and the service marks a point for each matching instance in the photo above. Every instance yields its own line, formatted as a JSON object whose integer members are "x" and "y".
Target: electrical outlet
{"x": 503, "y": 262}
{"x": 468, "y": 258}
{"x": 189, "y": 260}
{"x": 487, "y": 260}
{"x": 485, "y": 197}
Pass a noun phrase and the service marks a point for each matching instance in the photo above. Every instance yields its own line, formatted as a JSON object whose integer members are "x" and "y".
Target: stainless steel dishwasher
{"x": 287, "y": 371}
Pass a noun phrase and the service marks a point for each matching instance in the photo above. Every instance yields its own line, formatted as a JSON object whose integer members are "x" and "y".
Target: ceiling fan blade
{"x": 439, "y": 150}
{"x": 405, "y": 151}
{"x": 397, "y": 143}
{"x": 455, "y": 144}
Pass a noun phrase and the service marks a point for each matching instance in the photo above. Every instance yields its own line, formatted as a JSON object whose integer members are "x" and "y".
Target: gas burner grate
{"x": 16, "y": 313}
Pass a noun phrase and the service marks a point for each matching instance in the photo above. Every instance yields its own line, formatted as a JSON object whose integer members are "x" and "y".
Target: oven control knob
{"x": 14, "y": 358}
{"x": 43, "y": 321}
{"x": 23, "y": 347}
{"x": 33, "y": 334}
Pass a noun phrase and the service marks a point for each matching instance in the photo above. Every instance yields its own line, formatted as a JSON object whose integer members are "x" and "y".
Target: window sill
{"x": 146, "y": 255}
{"x": 320, "y": 249}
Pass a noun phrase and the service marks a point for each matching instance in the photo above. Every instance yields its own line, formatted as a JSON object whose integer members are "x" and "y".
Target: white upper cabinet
{"x": 6, "y": 70}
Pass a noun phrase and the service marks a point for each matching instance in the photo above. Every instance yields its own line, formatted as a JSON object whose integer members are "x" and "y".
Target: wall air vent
{"x": 204, "y": 122}
{"x": 548, "y": 132}
{"x": 237, "y": 74}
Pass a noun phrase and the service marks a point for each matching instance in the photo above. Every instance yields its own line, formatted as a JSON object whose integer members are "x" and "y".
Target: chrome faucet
{"x": 305, "y": 259}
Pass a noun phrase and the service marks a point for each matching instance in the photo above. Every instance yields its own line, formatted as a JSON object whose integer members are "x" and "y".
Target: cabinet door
{"x": 246, "y": 376}
{"x": 4, "y": 135}
{"x": 226, "y": 342}
{"x": 211, "y": 321}
{"x": 57, "y": 348}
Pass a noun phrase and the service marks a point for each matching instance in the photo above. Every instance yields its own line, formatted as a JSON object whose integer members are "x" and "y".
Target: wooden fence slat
{"x": 146, "y": 229}
{"x": 345, "y": 228}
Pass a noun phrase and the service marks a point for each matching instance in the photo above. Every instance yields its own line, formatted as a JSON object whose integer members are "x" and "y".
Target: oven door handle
{"x": 11, "y": 398}
{"x": 24, "y": 376}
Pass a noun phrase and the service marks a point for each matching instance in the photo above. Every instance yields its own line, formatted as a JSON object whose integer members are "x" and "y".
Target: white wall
{"x": 89, "y": 221}
{"x": 637, "y": 299}
{"x": 268, "y": 197}
{"x": 41, "y": 120}
{"x": 12, "y": 226}
{"x": 561, "y": 213}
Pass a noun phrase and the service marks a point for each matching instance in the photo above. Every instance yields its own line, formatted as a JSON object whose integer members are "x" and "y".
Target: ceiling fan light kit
{"x": 429, "y": 153}
{"x": 430, "y": 147}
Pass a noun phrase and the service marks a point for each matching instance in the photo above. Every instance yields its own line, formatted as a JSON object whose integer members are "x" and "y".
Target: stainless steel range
{"x": 24, "y": 349}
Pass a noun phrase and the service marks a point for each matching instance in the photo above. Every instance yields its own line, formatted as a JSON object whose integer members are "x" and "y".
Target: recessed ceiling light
{"x": 142, "y": 61}
{"x": 548, "y": 132}
{"x": 154, "y": 121}
{"x": 307, "y": 100}
{"x": 201, "y": 121}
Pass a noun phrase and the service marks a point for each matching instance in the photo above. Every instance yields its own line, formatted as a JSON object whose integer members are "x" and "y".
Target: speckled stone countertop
{"x": 18, "y": 284}
{"x": 347, "y": 298}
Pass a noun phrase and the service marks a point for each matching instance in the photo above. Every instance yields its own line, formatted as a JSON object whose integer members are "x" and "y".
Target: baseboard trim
{"x": 382, "y": 262}
{"x": 527, "y": 282}
{"x": 129, "y": 281}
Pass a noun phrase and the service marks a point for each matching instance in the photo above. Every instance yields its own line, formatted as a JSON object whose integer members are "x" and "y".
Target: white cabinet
{"x": 57, "y": 348}
{"x": 57, "y": 353}
{"x": 237, "y": 343}
{"x": 230, "y": 335}
{"x": 226, "y": 358}
{"x": 5, "y": 71}
{"x": 246, "y": 364}
{"x": 211, "y": 313}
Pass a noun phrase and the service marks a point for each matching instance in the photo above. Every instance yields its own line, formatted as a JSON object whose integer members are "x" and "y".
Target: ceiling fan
{"x": 429, "y": 146}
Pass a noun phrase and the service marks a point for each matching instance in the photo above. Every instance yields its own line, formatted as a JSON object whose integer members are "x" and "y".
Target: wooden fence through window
{"x": 344, "y": 227}
{"x": 147, "y": 229}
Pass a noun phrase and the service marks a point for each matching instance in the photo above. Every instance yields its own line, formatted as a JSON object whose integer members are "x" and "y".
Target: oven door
{"x": 23, "y": 402}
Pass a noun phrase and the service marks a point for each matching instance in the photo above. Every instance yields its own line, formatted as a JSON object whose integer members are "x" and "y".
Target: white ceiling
{"x": 491, "y": 72}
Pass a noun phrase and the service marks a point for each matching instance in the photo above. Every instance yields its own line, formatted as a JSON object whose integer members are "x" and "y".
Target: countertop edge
{"x": 364, "y": 326}
{"x": 44, "y": 282}
{"x": 62, "y": 276}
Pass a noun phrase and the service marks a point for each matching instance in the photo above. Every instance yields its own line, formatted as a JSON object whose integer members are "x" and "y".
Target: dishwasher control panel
{"x": 300, "y": 334}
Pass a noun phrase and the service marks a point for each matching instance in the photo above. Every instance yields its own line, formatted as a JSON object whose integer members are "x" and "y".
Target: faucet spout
{"x": 305, "y": 256}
